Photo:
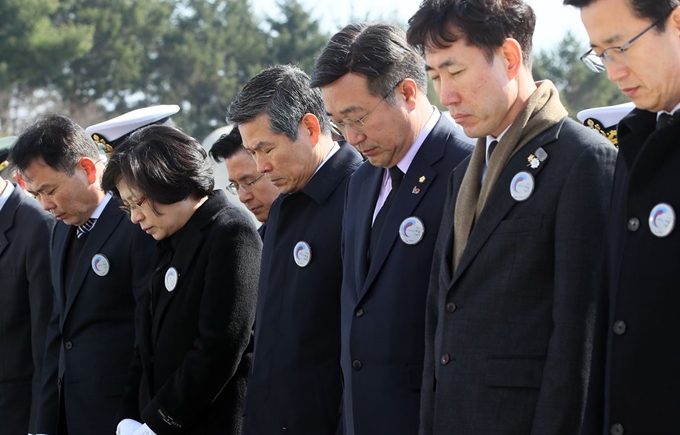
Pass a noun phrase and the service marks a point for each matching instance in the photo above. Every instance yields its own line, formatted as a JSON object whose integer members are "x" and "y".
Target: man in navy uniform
{"x": 295, "y": 382}
{"x": 374, "y": 87}
{"x": 25, "y": 299}
{"x": 637, "y": 44}
{"x": 254, "y": 189}
{"x": 99, "y": 267}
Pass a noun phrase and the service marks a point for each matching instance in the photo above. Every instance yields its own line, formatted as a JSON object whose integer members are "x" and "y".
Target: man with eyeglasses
{"x": 99, "y": 267}
{"x": 637, "y": 43}
{"x": 374, "y": 87}
{"x": 255, "y": 191}
{"x": 295, "y": 383}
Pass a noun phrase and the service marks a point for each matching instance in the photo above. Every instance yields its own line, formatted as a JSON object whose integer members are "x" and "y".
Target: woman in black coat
{"x": 193, "y": 350}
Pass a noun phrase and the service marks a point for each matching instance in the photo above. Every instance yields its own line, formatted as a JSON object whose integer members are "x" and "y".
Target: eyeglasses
{"x": 613, "y": 55}
{"x": 358, "y": 125}
{"x": 246, "y": 187}
{"x": 129, "y": 208}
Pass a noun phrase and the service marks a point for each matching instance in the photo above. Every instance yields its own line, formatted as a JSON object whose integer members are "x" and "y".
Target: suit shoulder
{"x": 580, "y": 137}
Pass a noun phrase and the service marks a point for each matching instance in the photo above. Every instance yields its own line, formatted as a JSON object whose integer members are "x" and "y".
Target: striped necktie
{"x": 86, "y": 227}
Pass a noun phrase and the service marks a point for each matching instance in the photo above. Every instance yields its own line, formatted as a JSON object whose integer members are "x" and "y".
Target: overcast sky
{"x": 553, "y": 19}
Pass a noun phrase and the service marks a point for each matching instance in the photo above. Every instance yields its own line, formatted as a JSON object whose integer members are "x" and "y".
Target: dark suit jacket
{"x": 509, "y": 335}
{"x": 91, "y": 334}
{"x": 25, "y": 306}
{"x": 642, "y": 375}
{"x": 189, "y": 372}
{"x": 295, "y": 383}
{"x": 383, "y": 303}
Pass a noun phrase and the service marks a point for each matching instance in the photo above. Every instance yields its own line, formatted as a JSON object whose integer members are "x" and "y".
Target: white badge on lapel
{"x": 522, "y": 186}
{"x": 662, "y": 220}
{"x": 100, "y": 265}
{"x": 171, "y": 277}
{"x": 302, "y": 254}
{"x": 411, "y": 230}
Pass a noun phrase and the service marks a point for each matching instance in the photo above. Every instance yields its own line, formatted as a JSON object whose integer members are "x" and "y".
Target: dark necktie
{"x": 664, "y": 120}
{"x": 396, "y": 175}
{"x": 492, "y": 146}
{"x": 85, "y": 228}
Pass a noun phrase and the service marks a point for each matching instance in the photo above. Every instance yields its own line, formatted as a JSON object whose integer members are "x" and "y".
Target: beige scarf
{"x": 543, "y": 110}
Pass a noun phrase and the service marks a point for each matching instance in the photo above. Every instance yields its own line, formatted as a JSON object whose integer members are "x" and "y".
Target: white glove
{"x": 127, "y": 426}
{"x": 144, "y": 430}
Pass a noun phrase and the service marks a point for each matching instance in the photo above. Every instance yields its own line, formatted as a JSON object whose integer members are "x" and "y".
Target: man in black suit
{"x": 99, "y": 266}
{"x": 637, "y": 43}
{"x": 295, "y": 382}
{"x": 26, "y": 300}
{"x": 253, "y": 189}
{"x": 515, "y": 284}
{"x": 374, "y": 87}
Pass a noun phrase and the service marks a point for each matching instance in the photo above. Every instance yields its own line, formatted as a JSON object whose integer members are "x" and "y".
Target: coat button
{"x": 356, "y": 364}
{"x": 445, "y": 359}
{"x": 451, "y": 307}
{"x": 68, "y": 345}
{"x": 616, "y": 429}
{"x": 633, "y": 224}
{"x": 359, "y": 312}
{"x": 619, "y": 327}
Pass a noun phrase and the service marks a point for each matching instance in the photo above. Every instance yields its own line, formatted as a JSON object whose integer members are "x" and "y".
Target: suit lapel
{"x": 409, "y": 195}
{"x": 106, "y": 224}
{"x": 7, "y": 218}
{"x": 500, "y": 202}
{"x": 62, "y": 234}
{"x": 370, "y": 189}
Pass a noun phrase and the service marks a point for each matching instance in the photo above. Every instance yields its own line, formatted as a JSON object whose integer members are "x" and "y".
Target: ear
{"x": 90, "y": 167}
{"x": 310, "y": 126}
{"x": 674, "y": 19}
{"x": 512, "y": 55}
{"x": 20, "y": 180}
{"x": 409, "y": 90}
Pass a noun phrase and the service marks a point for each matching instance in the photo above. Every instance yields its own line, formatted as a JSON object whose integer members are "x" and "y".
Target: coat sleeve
{"x": 227, "y": 313}
{"x": 579, "y": 246}
{"x": 40, "y": 296}
{"x": 429, "y": 385}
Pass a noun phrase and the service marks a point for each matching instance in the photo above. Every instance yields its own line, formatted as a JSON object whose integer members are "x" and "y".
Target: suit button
{"x": 359, "y": 312}
{"x": 451, "y": 307}
{"x": 633, "y": 224}
{"x": 445, "y": 359}
{"x": 356, "y": 364}
{"x": 68, "y": 345}
{"x": 619, "y": 327}
{"x": 616, "y": 429}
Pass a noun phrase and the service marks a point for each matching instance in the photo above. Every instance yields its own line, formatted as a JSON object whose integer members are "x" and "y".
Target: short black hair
{"x": 227, "y": 146}
{"x": 484, "y": 24}
{"x": 282, "y": 93}
{"x": 378, "y": 52}
{"x": 55, "y": 139}
{"x": 163, "y": 163}
{"x": 653, "y": 10}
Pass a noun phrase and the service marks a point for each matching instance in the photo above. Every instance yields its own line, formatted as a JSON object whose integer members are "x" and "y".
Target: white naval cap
{"x": 107, "y": 132}
{"x": 605, "y": 119}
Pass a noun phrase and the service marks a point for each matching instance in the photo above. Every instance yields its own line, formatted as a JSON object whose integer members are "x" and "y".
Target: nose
{"x": 353, "y": 137}
{"x": 136, "y": 216}
{"x": 448, "y": 95}
{"x": 46, "y": 203}
{"x": 616, "y": 72}
{"x": 263, "y": 163}
{"x": 244, "y": 196}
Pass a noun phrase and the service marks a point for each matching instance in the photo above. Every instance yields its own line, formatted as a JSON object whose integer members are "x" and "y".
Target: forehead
{"x": 257, "y": 133}
{"x": 38, "y": 172}
{"x": 126, "y": 191}
{"x": 347, "y": 94}
{"x": 610, "y": 21}
{"x": 240, "y": 164}
{"x": 457, "y": 53}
